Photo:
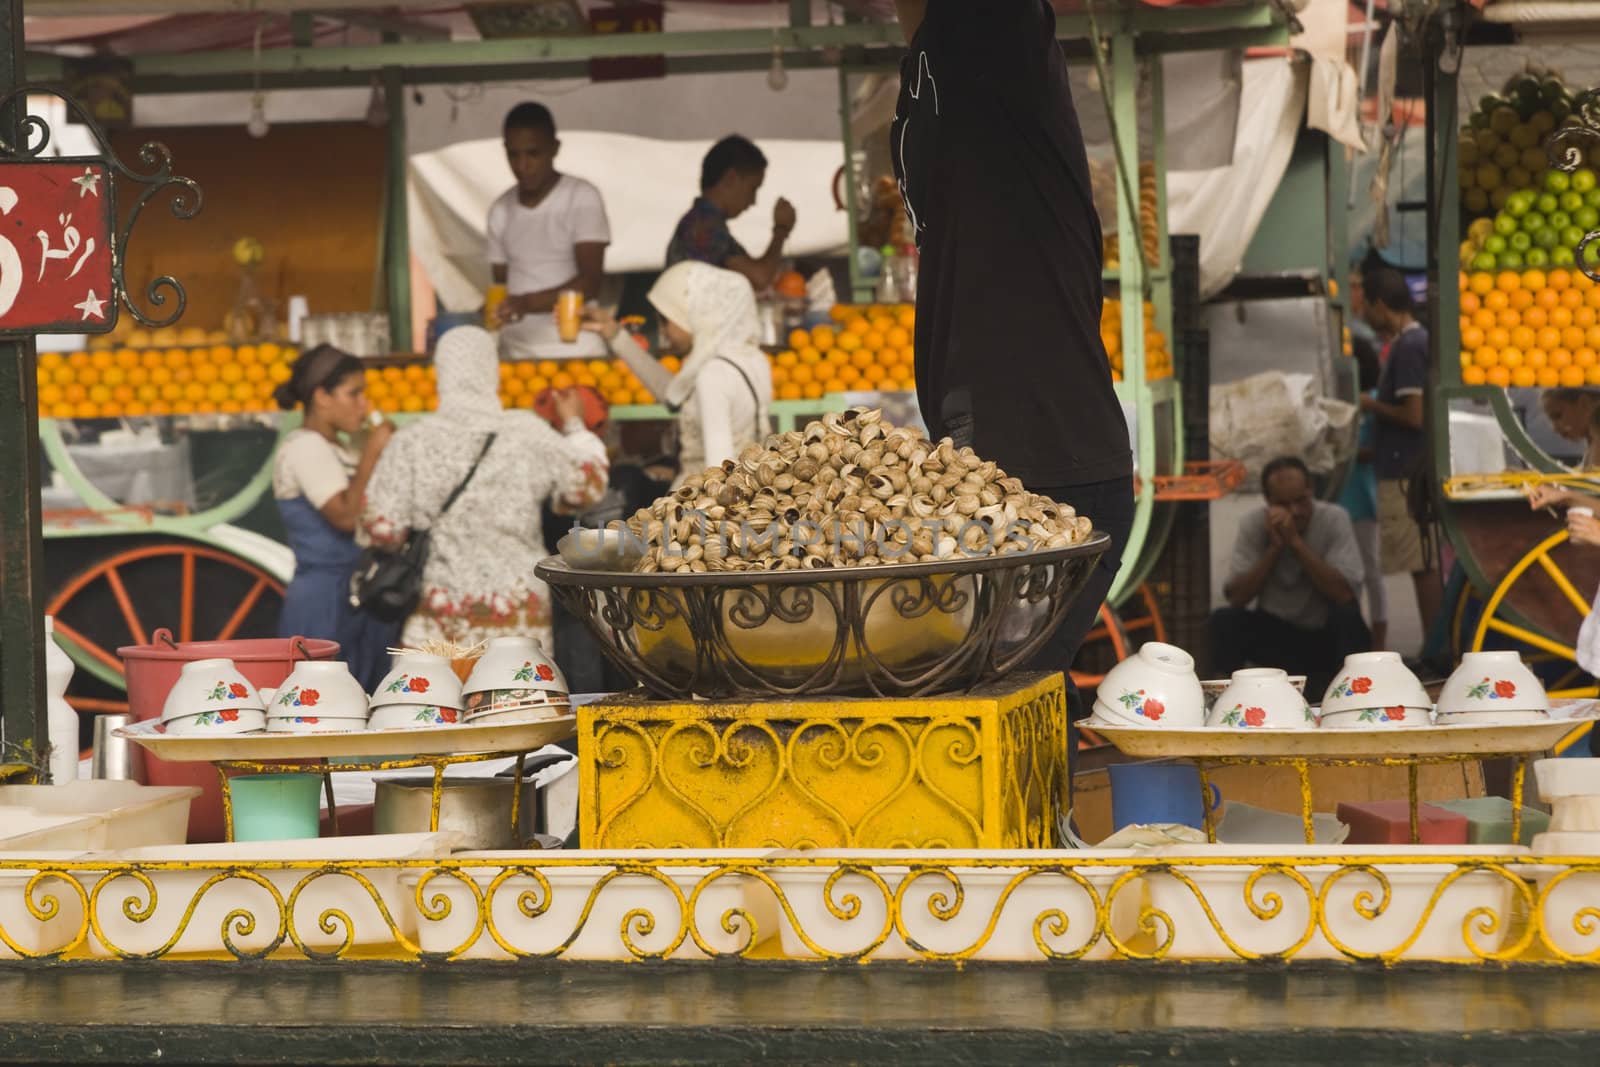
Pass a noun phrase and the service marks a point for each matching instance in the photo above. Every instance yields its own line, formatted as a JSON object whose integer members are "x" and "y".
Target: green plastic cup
{"x": 276, "y": 807}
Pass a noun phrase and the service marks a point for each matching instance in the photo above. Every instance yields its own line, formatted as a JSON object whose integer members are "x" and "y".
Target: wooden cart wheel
{"x": 122, "y": 598}
{"x": 1491, "y": 621}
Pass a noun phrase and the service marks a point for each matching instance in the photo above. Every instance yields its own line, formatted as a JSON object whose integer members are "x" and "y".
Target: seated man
{"x": 730, "y": 177}
{"x": 1298, "y": 559}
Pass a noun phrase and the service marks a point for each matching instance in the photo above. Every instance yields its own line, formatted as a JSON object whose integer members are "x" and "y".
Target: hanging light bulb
{"x": 777, "y": 76}
{"x": 258, "y": 126}
{"x": 378, "y": 105}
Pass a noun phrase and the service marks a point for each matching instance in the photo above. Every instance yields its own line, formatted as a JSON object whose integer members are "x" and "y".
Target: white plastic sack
{"x": 1259, "y": 418}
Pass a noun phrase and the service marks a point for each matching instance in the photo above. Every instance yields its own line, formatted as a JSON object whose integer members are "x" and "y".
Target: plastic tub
{"x": 171, "y": 891}
{"x": 131, "y": 814}
{"x": 35, "y": 936}
{"x": 151, "y": 671}
{"x": 25, "y": 830}
{"x": 276, "y": 807}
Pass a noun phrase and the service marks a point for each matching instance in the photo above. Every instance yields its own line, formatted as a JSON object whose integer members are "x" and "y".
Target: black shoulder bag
{"x": 387, "y": 583}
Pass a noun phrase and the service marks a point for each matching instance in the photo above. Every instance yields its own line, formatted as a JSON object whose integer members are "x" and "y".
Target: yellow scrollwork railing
{"x": 1467, "y": 908}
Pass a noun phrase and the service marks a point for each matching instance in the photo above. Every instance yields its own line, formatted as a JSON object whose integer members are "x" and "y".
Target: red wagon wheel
{"x": 122, "y": 598}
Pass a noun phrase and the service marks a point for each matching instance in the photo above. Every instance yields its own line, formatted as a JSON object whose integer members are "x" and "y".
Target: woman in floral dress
{"x": 479, "y": 582}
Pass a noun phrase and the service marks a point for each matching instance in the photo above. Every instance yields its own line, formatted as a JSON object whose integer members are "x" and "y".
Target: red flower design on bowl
{"x": 1255, "y": 716}
{"x": 238, "y": 691}
{"x": 1154, "y": 709}
{"x": 1361, "y": 685}
{"x": 309, "y": 698}
{"x": 1504, "y": 689}
{"x": 419, "y": 685}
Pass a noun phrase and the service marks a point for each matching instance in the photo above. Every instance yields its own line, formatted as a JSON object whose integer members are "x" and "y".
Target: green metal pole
{"x": 1131, "y": 271}
{"x": 22, "y": 705}
{"x": 860, "y": 290}
{"x": 397, "y": 232}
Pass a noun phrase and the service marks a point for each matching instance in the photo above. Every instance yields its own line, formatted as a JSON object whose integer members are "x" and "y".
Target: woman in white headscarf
{"x": 479, "y": 581}
{"x": 723, "y": 391}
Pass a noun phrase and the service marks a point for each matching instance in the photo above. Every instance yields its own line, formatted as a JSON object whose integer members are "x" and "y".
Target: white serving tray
{"x": 1315, "y": 743}
{"x": 462, "y": 740}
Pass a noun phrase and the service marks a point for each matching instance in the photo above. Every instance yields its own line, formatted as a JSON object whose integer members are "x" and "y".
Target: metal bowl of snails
{"x": 817, "y": 565}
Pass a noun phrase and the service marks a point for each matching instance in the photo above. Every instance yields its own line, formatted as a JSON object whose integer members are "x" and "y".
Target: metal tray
{"x": 437, "y": 741}
{"x": 1314, "y": 743}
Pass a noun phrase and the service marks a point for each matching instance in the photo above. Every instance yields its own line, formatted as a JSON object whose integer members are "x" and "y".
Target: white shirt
{"x": 310, "y": 465}
{"x": 536, "y": 246}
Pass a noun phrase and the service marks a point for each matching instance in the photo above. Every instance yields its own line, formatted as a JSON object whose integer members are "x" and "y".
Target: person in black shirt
{"x": 991, "y": 164}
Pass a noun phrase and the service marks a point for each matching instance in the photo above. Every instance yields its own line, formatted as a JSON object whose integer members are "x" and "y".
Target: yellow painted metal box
{"x": 986, "y": 769}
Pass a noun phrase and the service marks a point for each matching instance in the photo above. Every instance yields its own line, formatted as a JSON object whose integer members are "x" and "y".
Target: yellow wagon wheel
{"x": 1539, "y": 555}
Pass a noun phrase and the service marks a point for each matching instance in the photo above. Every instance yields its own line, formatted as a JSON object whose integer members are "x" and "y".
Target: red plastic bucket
{"x": 153, "y": 669}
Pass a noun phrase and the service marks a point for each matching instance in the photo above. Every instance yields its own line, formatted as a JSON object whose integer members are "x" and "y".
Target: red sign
{"x": 56, "y": 239}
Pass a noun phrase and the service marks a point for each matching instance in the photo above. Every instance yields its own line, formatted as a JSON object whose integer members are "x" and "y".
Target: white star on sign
{"x": 91, "y": 306}
{"x": 87, "y": 182}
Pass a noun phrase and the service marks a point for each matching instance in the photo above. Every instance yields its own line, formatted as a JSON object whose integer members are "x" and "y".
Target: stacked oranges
{"x": 866, "y": 348}
{"x": 1530, "y": 328}
{"x": 116, "y": 382}
{"x": 520, "y": 383}
{"x": 1157, "y": 356}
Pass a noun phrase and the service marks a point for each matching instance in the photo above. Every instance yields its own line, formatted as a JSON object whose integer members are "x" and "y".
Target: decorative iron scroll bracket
{"x": 1565, "y": 150}
{"x": 60, "y": 232}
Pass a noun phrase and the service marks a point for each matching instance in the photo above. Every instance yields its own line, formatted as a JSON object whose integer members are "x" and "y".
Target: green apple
{"x": 1495, "y": 243}
{"x": 1536, "y": 257}
{"x": 1485, "y": 261}
{"x": 1520, "y": 203}
{"x": 1532, "y": 222}
{"x": 1571, "y": 236}
{"x": 1571, "y": 200}
{"x": 1558, "y": 220}
{"x": 1583, "y": 180}
{"x": 1546, "y": 238}
{"x": 1505, "y": 224}
{"x": 1557, "y": 181}
{"x": 1546, "y": 203}
{"x": 1586, "y": 218}
{"x": 1562, "y": 256}
{"x": 1592, "y": 199}
{"x": 1520, "y": 241}
{"x": 1509, "y": 261}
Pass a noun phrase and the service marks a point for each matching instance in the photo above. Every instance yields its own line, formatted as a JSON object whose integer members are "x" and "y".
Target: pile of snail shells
{"x": 848, "y": 491}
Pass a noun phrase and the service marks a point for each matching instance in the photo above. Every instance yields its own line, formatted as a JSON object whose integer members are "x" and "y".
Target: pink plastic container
{"x": 152, "y": 670}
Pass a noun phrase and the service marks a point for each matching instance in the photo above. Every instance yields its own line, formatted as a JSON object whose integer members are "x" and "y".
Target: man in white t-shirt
{"x": 546, "y": 233}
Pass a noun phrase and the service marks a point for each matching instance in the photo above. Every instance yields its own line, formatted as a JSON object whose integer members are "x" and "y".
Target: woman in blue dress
{"x": 319, "y": 480}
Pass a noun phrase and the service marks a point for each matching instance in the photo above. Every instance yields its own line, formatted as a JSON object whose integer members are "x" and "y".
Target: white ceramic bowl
{"x": 413, "y": 717}
{"x": 319, "y": 689}
{"x": 1212, "y": 687}
{"x": 1374, "y": 680}
{"x": 314, "y": 724}
{"x": 418, "y": 678}
{"x": 1567, "y": 777}
{"x": 495, "y": 701}
{"x": 242, "y": 721}
{"x": 1492, "y": 682}
{"x": 1393, "y": 718}
{"x": 1575, "y": 815}
{"x": 514, "y": 663}
{"x": 1261, "y": 697}
{"x": 541, "y": 713}
{"x": 209, "y": 685}
{"x": 1155, "y": 686}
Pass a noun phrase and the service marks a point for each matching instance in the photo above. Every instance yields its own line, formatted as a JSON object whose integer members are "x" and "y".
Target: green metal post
{"x": 22, "y": 706}
{"x": 860, "y": 290}
{"x": 1131, "y": 271}
{"x": 397, "y": 233}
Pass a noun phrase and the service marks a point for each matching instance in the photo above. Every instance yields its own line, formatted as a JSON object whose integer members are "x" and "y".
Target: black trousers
{"x": 1110, "y": 505}
{"x": 1245, "y": 637}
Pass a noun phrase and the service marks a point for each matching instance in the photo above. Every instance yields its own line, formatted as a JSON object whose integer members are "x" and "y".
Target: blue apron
{"x": 317, "y": 601}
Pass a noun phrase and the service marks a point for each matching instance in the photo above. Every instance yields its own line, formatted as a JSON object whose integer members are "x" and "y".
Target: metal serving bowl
{"x": 898, "y": 630}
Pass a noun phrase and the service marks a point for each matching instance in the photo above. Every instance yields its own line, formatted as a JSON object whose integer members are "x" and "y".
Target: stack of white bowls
{"x": 1261, "y": 698}
{"x": 1492, "y": 689}
{"x": 514, "y": 681}
{"x": 1375, "y": 690}
{"x": 1571, "y": 787}
{"x": 212, "y": 697}
{"x": 420, "y": 693}
{"x": 318, "y": 697}
{"x": 1155, "y": 687}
